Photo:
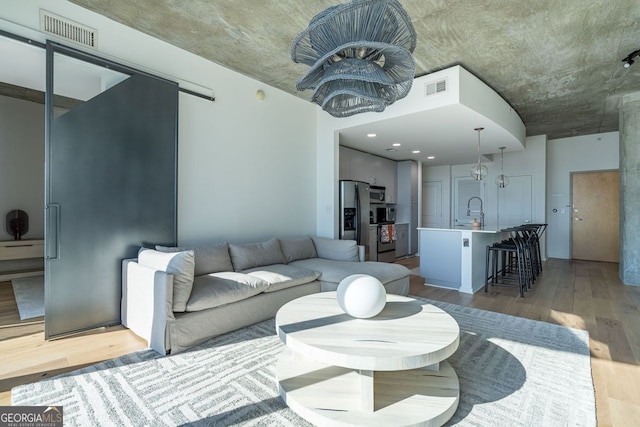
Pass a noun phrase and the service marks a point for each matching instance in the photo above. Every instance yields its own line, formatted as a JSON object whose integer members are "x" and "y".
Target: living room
{"x": 245, "y": 164}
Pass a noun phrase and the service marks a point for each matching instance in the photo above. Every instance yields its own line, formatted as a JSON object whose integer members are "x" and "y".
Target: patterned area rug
{"x": 29, "y": 293}
{"x": 512, "y": 372}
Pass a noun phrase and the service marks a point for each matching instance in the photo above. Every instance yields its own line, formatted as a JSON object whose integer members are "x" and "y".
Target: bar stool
{"x": 527, "y": 237}
{"x": 508, "y": 263}
{"x": 539, "y": 230}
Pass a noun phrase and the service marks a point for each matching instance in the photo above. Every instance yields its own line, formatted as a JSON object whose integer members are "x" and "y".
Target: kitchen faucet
{"x": 481, "y": 210}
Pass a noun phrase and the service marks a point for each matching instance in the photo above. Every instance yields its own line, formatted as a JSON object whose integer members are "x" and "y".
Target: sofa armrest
{"x": 147, "y": 301}
{"x": 361, "y": 255}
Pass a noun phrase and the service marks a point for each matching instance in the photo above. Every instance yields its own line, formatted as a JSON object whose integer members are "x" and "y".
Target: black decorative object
{"x": 628, "y": 61}
{"x": 17, "y": 223}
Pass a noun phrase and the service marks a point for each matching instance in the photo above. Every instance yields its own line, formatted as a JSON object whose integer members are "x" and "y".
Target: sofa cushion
{"x": 216, "y": 289}
{"x": 338, "y": 250}
{"x": 179, "y": 264}
{"x": 251, "y": 255}
{"x": 295, "y": 249}
{"x": 281, "y": 276}
{"x": 209, "y": 257}
{"x": 335, "y": 271}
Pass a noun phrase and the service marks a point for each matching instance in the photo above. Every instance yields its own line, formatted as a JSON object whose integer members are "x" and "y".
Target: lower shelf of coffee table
{"x": 331, "y": 395}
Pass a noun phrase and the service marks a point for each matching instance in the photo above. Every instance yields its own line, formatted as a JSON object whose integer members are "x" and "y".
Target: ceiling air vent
{"x": 433, "y": 88}
{"x": 68, "y": 29}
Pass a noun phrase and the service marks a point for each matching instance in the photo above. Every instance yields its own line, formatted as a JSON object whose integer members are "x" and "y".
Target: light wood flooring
{"x": 583, "y": 295}
{"x": 579, "y": 294}
{"x": 26, "y": 357}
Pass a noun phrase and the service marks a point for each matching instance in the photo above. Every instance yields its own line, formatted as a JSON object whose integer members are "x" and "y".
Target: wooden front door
{"x": 596, "y": 216}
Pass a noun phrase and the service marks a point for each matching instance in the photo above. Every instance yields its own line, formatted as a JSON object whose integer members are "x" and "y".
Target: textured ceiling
{"x": 557, "y": 62}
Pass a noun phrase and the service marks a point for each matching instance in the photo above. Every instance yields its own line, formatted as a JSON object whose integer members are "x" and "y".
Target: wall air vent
{"x": 68, "y": 29}
{"x": 434, "y": 88}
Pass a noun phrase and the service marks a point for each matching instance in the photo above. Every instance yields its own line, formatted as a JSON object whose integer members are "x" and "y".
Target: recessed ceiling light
{"x": 416, "y": 151}
{"x": 371, "y": 135}
{"x": 397, "y": 144}
{"x": 431, "y": 157}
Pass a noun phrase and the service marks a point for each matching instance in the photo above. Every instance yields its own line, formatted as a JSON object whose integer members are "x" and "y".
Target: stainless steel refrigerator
{"x": 354, "y": 213}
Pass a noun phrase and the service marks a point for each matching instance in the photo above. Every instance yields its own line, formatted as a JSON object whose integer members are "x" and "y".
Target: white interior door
{"x": 432, "y": 204}
{"x": 515, "y": 201}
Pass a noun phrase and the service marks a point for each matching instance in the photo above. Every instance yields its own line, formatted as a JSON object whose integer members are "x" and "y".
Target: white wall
{"x": 531, "y": 161}
{"x": 247, "y": 168}
{"x": 22, "y": 163}
{"x": 458, "y": 80}
{"x": 564, "y": 156}
{"x": 442, "y": 174}
{"x": 551, "y": 164}
{"x": 247, "y": 180}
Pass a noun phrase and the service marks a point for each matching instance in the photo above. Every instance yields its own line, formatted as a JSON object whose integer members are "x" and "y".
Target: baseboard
{"x": 8, "y": 276}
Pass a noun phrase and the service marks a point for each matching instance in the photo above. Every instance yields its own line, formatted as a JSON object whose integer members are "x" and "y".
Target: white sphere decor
{"x": 361, "y": 296}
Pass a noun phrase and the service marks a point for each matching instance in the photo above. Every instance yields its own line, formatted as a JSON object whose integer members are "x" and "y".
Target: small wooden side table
{"x": 21, "y": 249}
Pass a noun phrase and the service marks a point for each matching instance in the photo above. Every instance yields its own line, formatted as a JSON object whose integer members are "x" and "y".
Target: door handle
{"x": 52, "y": 244}
{"x": 578, "y": 219}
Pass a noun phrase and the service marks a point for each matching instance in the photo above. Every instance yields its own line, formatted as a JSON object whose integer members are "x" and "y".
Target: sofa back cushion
{"x": 209, "y": 257}
{"x": 180, "y": 265}
{"x": 295, "y": 249}
{"x": 251, "y": 255}
{"x": 338, "y": 250}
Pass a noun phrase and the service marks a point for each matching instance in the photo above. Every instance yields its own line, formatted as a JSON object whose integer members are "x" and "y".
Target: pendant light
{"x": 502, "y": 180}
{"x": 479, "y": 171}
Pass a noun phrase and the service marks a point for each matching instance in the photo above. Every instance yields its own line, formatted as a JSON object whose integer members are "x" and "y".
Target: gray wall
{"x": 22, "y": 163}
{"x": 630, "y": 189}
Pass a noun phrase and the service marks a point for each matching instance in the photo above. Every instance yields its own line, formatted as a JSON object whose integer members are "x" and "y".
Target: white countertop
{"x": 486, "y": 229}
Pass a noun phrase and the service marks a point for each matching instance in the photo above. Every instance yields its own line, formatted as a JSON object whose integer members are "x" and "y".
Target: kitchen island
{"x": 455, "y": 258}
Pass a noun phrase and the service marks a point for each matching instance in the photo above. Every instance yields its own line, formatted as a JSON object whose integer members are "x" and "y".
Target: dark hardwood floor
{"x": 579, "y": 294}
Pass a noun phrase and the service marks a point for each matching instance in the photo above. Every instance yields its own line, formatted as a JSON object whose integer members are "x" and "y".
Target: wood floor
{"x": 583, "y": 295}
{"x": 26, "y": 357}
{"x": 579, "y": 294}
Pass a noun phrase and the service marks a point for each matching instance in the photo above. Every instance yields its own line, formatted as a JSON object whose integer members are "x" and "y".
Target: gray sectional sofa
{"x": 176, "y": 298}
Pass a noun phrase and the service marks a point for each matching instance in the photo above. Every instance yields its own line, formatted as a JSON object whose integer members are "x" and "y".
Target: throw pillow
{"x": 180, "y": 265}
{"x": 295, "y": 249}
{"x": 251, "y": 255}
{"x": 337, "y": 250}
{"x": 209, "y": 257}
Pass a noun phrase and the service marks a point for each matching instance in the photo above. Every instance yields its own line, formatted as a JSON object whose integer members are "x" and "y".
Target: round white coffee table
{"x": 386, "y": 370}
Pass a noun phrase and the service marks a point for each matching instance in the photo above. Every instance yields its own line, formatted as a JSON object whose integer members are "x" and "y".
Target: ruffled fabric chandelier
{"x": 359, "y": 54}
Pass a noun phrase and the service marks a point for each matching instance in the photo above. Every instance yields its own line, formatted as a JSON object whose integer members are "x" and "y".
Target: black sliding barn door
{"x": 111, "y": 167}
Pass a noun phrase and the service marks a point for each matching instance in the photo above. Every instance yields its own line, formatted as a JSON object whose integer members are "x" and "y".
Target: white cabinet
{"x": 375, "y": 170}
{"x": 360, "y": 166}
{"x": 344, "y": 163}
{"x": 407, "y": 205}
{"x": 402, "y": 244}
{"x": 373, "y": 243}
{"x": 387, "y": 176}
